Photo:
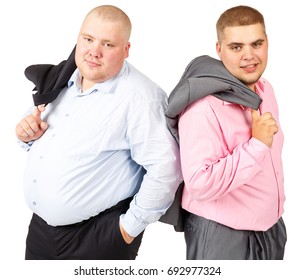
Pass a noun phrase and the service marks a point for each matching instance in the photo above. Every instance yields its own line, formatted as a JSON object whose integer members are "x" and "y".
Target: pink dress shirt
{"x": 231, "y": 177}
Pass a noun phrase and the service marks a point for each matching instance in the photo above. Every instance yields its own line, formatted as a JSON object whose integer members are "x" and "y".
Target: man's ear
{"x": 127, "y": 49}
{"x": 218, "y": 49}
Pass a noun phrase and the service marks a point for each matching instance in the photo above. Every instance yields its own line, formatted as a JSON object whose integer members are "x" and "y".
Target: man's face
{"x": 244, "y": 51}
{"x": 101, "y": 49}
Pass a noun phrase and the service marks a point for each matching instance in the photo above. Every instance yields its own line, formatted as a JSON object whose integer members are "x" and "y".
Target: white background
{"x": 166, "y": 36}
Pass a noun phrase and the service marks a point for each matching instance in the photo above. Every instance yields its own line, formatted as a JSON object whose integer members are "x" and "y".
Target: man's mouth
{"x": 249, "y": 68}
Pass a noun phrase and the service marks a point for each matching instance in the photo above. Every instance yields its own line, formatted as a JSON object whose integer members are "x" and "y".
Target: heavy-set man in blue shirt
{"x": 102, "y": 164}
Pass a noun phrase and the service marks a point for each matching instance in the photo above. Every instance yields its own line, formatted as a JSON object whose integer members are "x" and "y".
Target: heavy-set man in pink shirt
{"x": 231, "y": 155}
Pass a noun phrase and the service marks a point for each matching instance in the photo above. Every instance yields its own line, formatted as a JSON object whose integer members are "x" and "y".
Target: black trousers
{"x": 209, "y": 240}
{"x": 98, "y": 238}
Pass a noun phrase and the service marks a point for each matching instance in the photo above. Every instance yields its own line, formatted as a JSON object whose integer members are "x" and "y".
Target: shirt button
{"x": 35, "y": 181}
{"x": 34, "y": 203}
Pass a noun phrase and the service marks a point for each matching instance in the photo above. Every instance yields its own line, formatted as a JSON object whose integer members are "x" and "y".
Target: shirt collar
{"x": 104, "y": 87}
{"x": 226, "y": 103}
{"x": 259, "y": 86}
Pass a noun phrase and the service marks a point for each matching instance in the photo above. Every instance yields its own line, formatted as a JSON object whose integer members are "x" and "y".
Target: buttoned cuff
{"x": 257, "y": 150}
{"x": 132, "y": 225}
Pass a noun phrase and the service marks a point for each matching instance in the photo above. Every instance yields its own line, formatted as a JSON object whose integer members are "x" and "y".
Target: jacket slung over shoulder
{"x": 204, "y": 76}
{"x": 50, "y": 79}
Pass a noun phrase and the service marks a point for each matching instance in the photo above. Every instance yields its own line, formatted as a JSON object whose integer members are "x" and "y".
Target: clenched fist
{"x": 32, "y": 126}
{"x": 264, "y": 127}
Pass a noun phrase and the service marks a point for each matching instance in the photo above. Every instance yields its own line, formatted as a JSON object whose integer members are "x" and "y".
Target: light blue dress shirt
{"x": 102, "y": 146}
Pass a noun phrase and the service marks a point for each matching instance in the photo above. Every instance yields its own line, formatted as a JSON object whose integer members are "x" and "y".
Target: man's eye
{"x": 89, "y": 40}
{"x": 236, "y": 48}
{"x": 257, "y": 44}
{"x": 108, "y": 45}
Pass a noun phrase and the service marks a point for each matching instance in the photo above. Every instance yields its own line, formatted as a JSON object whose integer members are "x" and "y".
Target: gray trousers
{"x": 209, "y": 240}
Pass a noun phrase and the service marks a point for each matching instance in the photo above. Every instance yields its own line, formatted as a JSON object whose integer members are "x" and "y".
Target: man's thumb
{"x": 255, "y": 114}
{"x": 38, "y": 110}
{"x": 43, "y": 126}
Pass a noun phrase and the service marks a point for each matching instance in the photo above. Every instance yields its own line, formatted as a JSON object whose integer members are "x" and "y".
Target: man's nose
{"x": 248, "y": 53}
{"x": 96, "y": 50}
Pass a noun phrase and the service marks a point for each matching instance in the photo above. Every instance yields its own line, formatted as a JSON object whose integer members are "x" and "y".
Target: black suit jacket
{"x": 50, "y": 79}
